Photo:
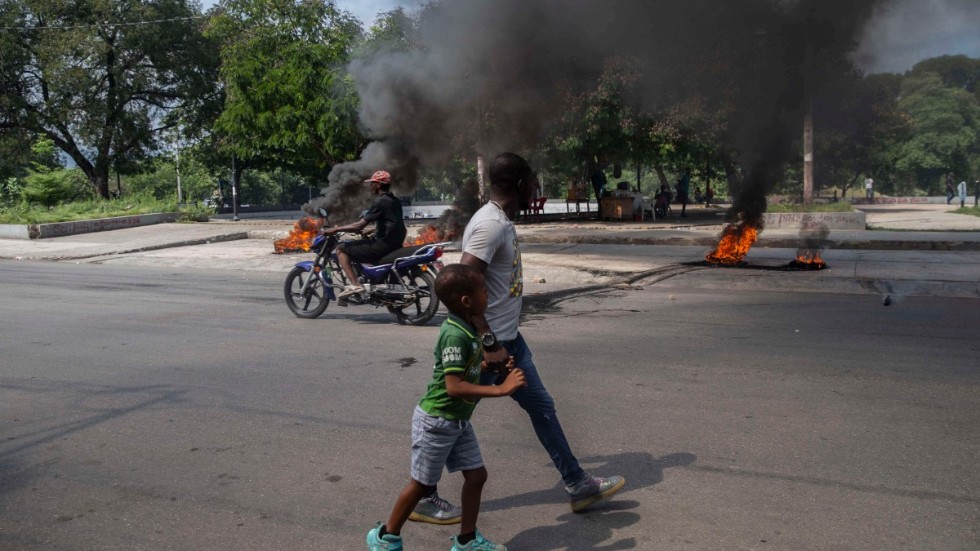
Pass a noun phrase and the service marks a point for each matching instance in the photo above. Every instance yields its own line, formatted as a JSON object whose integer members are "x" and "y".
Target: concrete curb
{"x": 60, "y": 229}
{"x": 764, "y": 242}
{"x": 188, "y": 243}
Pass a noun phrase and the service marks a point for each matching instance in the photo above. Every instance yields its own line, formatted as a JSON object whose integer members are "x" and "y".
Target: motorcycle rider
{"x": 389, "y": 232}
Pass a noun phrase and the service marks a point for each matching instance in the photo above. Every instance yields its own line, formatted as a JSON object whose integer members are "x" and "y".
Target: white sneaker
{"x": 350, "y": 290}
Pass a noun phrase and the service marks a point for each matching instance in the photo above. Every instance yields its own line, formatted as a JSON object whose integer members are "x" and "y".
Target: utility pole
{"x": 808, "y": 155}
{"x": 180, "y": 195}
{"x": 234, "y": 189}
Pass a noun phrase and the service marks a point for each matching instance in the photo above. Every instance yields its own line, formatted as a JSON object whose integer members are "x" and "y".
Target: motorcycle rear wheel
{"x": 425, "y": 305}
{"x": 308, "y": 305}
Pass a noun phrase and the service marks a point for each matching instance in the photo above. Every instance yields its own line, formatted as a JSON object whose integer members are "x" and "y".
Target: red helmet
{"x": 381, "y": 177}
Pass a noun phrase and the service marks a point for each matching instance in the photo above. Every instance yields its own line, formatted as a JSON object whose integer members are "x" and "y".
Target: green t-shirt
{"x": 457, "y": 351}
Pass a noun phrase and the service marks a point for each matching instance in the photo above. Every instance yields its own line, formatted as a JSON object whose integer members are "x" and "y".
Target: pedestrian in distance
{"x": 976, "y": 193}
{"x": 442, "y": 435}
{"x": 961, "y": 192}
{"x": 684, "y": 191}
{"x": 490, "y": 245}
{"x": 950, "y": 192}
{"x": 869, "y": 189}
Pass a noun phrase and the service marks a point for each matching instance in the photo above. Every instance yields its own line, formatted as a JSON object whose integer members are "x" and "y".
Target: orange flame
{"x": 430, "y": 234}
{"x": 736, "y": 240}
{"x": 300, "y": 238}
{"x": 810, "y": 259}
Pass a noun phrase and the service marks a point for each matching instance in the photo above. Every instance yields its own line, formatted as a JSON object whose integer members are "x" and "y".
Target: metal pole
{"x": 808, "y": 157}
{"x": 180, "y": 195}
{"x": 234, "y": 189}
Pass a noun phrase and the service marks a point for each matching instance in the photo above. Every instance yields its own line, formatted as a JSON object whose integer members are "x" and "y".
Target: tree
{"x": 288, "y": 98}
{"x": 945, "y": 129}
{"x": 102, "y": 79}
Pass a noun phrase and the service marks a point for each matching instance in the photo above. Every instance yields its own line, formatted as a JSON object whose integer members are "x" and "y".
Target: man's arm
{"x": 352, "y": 227}
{"x": 496, "y": 358}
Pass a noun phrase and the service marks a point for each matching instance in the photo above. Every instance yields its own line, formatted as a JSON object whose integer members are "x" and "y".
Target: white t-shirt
{"x": 868, "y": 183}
{"x": 491, "y": 237}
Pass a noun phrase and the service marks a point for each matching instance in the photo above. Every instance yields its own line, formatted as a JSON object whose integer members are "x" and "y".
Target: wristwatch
{"x": 489, "y": 340}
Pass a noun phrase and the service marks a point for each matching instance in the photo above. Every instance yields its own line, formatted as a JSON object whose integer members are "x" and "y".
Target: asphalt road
{"x": 144, "y": 407}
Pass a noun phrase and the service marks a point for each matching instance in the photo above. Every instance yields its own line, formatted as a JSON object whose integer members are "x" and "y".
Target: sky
{"x": 906, "y": 32}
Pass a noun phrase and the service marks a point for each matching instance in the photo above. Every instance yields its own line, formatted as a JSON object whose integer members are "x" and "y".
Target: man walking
{"x": 490, "y": 245}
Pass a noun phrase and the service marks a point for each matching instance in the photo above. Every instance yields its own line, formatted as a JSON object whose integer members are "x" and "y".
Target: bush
{"x": 10, "y": 193}
{"x": 51, "y": 187}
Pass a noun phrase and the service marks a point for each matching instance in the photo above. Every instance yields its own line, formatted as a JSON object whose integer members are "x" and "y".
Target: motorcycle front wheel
{"x": 420, "y": 311}
{"x": 308, "y": 304}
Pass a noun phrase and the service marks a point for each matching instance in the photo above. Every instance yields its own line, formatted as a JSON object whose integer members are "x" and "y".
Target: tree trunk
{"x": 661, "y": 175}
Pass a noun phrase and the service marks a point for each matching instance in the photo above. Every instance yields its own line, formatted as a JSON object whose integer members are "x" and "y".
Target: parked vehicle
{"x": 403, "y": 281}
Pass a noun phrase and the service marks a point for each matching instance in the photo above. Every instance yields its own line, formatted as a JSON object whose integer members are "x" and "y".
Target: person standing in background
{"x": 961, "y": 191}
{"x": 869, "y": 188}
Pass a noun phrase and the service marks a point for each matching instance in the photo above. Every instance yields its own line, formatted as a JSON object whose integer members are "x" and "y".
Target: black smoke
{"x": 492, "y": 74}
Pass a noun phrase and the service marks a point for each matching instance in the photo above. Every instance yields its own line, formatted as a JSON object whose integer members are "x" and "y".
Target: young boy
{"x": 441, "y": 431}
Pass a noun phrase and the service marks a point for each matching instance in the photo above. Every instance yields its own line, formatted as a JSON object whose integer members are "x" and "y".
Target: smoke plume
{"x": 492, "y": 74}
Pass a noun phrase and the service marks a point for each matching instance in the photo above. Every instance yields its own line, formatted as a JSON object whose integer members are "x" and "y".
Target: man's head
{"x": 380, "y": 181}
{"x": 462, "y": 289}
{"x": 511, "y": 176}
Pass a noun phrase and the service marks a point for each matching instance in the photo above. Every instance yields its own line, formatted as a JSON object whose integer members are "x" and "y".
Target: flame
{"x": 736, "y": 240}
{"x": 430, "y": 234}
{"x": 300, "y": 238}
{"x": 810, "y": 259}
{"x": 435, "y": 234}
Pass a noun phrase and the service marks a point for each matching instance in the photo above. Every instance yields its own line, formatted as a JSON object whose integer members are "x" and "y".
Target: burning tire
{"x": 426, "y": 304}
{"x": 308, "y": 304}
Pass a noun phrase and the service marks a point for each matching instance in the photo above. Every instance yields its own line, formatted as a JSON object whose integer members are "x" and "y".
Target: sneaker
{"x": 435, "y": 510}
{"x": 389, "y": 542}
{"x": 350, "y": 290}
{"x": 591, "y": 489}
{"x": 479, "y": 543}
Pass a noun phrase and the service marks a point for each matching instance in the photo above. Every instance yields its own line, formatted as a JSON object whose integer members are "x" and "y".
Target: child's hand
{"x": 514, "y": 381}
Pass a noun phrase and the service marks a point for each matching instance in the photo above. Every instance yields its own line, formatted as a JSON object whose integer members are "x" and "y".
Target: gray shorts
{"x": 438, "y": 443}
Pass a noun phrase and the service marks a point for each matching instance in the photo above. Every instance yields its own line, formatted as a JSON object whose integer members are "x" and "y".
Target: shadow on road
{"x": 587, "y": 531}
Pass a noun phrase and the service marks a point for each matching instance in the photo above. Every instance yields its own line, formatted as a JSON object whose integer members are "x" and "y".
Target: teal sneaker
{"x": 389, "y": 542}
{"x": 479, "y": 543}
{"x": 591, "y": 489}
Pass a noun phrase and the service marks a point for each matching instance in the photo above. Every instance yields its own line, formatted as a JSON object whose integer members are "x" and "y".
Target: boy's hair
{"x": 455, "y": 281}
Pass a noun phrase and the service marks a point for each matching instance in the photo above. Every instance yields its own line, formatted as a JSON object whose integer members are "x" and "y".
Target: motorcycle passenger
{"x": 389, "y": 232}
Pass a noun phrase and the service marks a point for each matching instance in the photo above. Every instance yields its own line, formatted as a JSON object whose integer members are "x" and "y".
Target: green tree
{"x": 102, "y": 78}
{"x": 289, "y": 101}
{"x": 945, "y": 129}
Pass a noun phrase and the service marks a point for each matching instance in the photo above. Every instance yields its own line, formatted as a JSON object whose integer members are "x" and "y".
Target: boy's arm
{"x": 457, "y": 387}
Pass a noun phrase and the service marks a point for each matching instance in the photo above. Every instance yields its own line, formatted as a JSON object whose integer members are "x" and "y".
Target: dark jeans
{"x": 540, "y": 407}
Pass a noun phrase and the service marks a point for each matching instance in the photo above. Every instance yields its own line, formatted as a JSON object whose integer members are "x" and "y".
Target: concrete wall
{"x": 829, "y": 220}
{"x": 58, "y": 229}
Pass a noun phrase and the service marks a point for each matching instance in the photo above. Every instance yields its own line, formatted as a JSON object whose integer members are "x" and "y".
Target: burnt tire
{"x": 308, "y": 304}
{"x": 426, "y": 303}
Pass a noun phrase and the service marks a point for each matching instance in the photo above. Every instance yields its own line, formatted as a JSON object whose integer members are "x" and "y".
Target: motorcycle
{"x": 403, "y": 281}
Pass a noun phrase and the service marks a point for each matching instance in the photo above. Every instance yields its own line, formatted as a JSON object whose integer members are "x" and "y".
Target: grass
{"x": 972, "y": 211}
{"x": 98, "y": 208}
{"x": 827, "y": 207}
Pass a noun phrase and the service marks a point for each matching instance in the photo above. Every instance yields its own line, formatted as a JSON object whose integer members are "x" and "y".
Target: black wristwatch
{"x": 489, "y": 340}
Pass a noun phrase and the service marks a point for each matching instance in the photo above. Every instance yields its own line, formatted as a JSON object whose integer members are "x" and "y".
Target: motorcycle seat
{"x": 396, "y": 254}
